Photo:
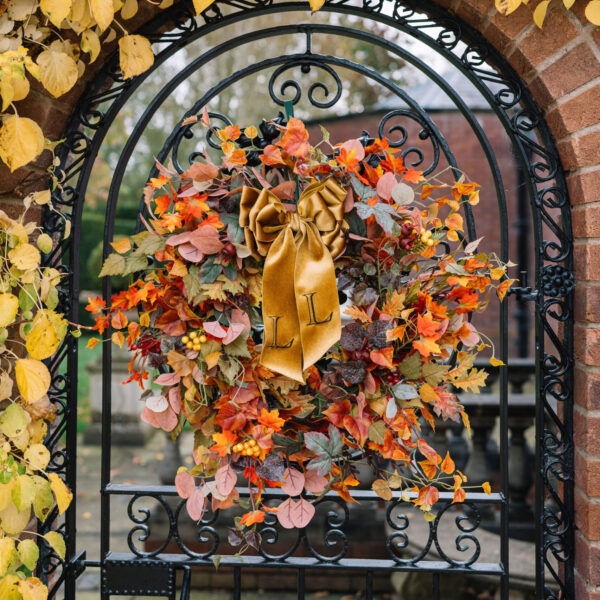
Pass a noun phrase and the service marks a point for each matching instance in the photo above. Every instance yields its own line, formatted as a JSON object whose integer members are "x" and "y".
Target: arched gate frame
{"x": 552, "y": 295}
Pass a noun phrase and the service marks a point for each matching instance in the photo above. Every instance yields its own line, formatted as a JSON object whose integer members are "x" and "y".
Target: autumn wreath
{"x": 241, "y": 334}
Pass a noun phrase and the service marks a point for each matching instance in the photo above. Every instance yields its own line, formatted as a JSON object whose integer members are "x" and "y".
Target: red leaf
{"x": 231, "y": 418}
{"x": 167, "y": 379}
{"x": 302, "y": 512}
{"x": 385, "y": 185}
{"x": 195, "y": 505}
{"x": 313, "y": 482}
{"x": 427, "y": 496}
{"x": 284, "y": 514}
{"x": 185, "y": 484}
{"x": 225, "y": 478}
{"x": 337, "y": 411}
{"x": 293, "y": 482}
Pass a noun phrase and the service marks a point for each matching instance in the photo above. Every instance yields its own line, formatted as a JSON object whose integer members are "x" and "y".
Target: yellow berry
{"x": 256, "y": 450}
{"x": 430, "y": 242}
{"x": 193, "y": 335}
{"x": 189, "y": 345}
{"x": 252, "y": 442}
{"x": 246, "y": 444}
{"x": 197, "y": 346}
{"x": 185, "y": 339}
{"x": 203, "y": 339}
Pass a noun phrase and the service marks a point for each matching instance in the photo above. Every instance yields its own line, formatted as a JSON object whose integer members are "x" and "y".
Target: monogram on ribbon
{"x": 301, "y": 310}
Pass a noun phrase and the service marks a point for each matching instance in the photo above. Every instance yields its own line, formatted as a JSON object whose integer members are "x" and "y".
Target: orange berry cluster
{"x": 249, "y": 448}
{"x": 194, "y": 340}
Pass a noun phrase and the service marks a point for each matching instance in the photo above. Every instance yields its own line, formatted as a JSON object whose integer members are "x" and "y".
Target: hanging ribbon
{"x": 301, "y": 310}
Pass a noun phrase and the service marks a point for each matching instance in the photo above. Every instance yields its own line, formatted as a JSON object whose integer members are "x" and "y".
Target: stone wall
{"x": 561, "y": 66}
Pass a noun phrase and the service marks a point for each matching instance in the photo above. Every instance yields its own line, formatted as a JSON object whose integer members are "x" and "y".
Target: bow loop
{"x": 301, "y": 311}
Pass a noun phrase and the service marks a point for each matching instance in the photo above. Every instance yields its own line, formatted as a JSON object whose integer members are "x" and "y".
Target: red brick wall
{"x": 561, "y": 66}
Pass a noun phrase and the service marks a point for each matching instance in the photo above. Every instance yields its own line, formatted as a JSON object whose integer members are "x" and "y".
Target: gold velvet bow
{"x": 301, "y": 310}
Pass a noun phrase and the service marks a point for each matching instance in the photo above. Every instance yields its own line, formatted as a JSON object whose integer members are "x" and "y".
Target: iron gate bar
{"x": 554, "y": 454}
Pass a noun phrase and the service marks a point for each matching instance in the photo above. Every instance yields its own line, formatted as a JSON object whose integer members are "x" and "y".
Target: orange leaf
{"x": 119, "y": 320}
{"x": 428, "y": 496}
{"x": 223, "y": 443}
{"x": 271, "y": 419}
{"x": 447, "y": 465}
{"x": 426, "y": 346}
{"x": 383, "y": 357}
{"x": 503, "y": 288}
{"x": 92, "y": 342}
{"x": 486, "y": 487}
{"x": 295, "y": 138}
{"x": 95, "y": 305}
{"x": 118, "y": 338}
{"x": 428, "y": 468}
{"x": 459, "y": 496}
{"x": 255, "y": 516}
{"x": 426, "y": 450}
{"x": 271, "y": 156}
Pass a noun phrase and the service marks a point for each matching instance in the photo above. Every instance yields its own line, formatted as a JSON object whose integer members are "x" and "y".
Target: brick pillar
{"x": 561, "y": 66}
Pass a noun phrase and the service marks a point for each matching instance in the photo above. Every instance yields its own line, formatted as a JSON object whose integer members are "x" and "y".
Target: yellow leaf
{"x": 474, "y": 380}
{"x": 37, "y": 456}
{"x": 58, "y": 71}
{"x": 57, "y": 542}
{"x": 13, "y": 421}
{"x": 21, "y": 141}
{"x": 25, "y": 257}
{"x": 7, "y": 91}
{"x": 428, "y": 394}
{"x": 13, "y": 521}
{"x": 9, "y": 589}
{"x": 90, "y": 43}
{"x": 33, "y": 589}
{"x": 33, "y": 379}
{"x": 592, "y": 12}
{"x": 56, "y": 10}
{"x": 315, "y": 5}
{"x": 121, "y": 246}
{"x": 130, "y": 8}
{"x": 496, "y": 362}
{"x": 103, "y": 11}
{"x": 20, "y": 88}
{"x": 49, "y": 329}
{"x": 505, "y": 7}
{"x": 6, "y": 495}
{"x": 539, "y": 14}
{"x": 135, "y": 55}
{"x": 486, "y": 487}
{"x": 212, "y": 359}
{"x": 201, "y": 5}
{"x": 568, "y": 3}
{"x": 7, "y": 554}
{"x": 6, "y": 386}
{"x": 9, "y": 305}
{"x": 62, "y": 493}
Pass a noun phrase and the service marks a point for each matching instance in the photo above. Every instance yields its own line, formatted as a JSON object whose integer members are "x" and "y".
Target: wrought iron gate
{"x": 146, "y": 571}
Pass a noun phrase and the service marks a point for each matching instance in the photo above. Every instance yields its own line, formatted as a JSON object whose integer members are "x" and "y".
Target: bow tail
{"x": 282, "y": 345}
{"x": 316, "y": 296}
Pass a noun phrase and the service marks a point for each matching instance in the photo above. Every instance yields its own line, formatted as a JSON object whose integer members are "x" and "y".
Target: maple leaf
{"x": 426, "y": 346}
{"x": 295, "y": 138}
{"x": 271, "y": 419}
{"x": 473, "y": 381}
{"x": 428, "y": 327}
{"x": 162, "y": 204}
{"x": 358, "y": 314}
{"x": 255, "y": 516}
{"x": 446, "y": 406}
{"x": 95, "y": 305}
{"x": 337, "y": 411}
{"x": 413, "y": 176}
{"x": 223, "y": 443}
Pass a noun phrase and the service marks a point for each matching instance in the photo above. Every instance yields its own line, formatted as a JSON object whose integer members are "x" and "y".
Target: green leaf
{"x": 410, "y": 367}
{"x": 434, "y": 373}
{"x": 174, "y": 433}
{"x": 239, "y": 347}
{"x": 192, "y": 284}
{"x": 377, "y": 432}
{"x": 148, "y": 244}
{"x": 210, "y": 271}
{"x": 13, "y": 421}
{"x": 23, "y": 492}
{"x": 28, "y": 553}
{"x": 44, "y": 499}
{"x": 113, "y": 265}
{"x": 51, "y": 301}
{"x": 57, "y": 542}
{"x": 324, "y": 133}
{"x": 135, "y": 263}
{"x": 326, "y": 449}
{"x": 381, "y": 211}
{"x": 27, "y": 297}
